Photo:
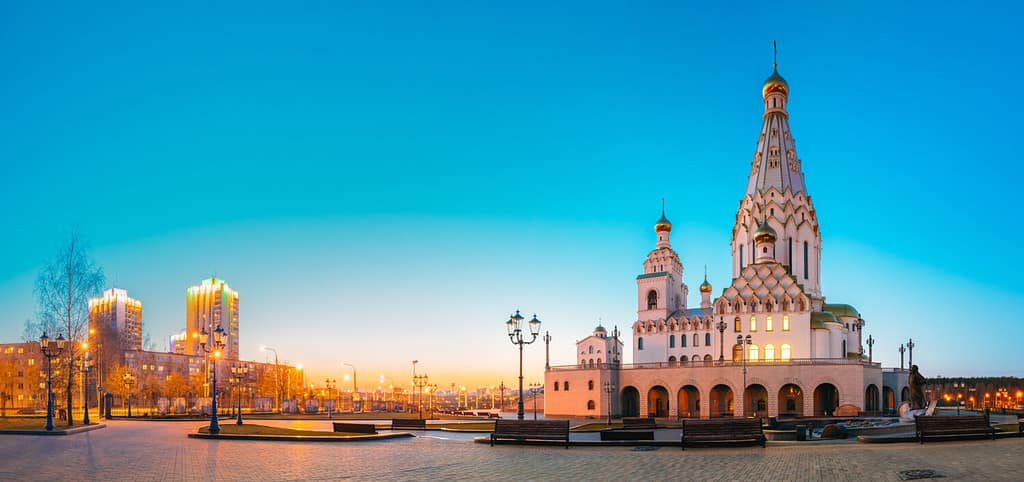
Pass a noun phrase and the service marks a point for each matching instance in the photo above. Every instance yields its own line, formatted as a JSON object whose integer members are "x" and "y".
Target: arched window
{"x": 590, "y": 404}
{"x": 640, "y": 343}
{"x": 768, "y": 323}
{"x": 785, "y": 352}
{"x": 696, "y": 341}
{"x": 752, "y": 356}
{"x": 672, "y": 341}
{"x": 785, "y": 322}
{"x": 753, "y": 323}
{"x": 652, "y": 300}
{"x": 556, "y": 386}
{"x": 682, "y": 340}
{"x": 696, "y": 358}
{"x": 591, "y": 363}
{"x": 565, "y": 386}
{"x": 591, "y": 348}
{"x": 843, "y": 354}
{"x": 805, "y": 259}
{"x": 737, "y": 328}
{"x": 741, "y": 257}
{"x": 769, "y": 352}
{"x": 707, "y": 339}
{"x": 737, "y": 353}
{"x": 590, "y": 384}
{"x": 599, "y": 362}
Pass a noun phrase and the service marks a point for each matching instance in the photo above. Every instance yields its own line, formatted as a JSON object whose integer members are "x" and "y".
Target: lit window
{"x": 753, "y": 323}
{"x": 785, "y": 352}
{"x": 737, "y": 324}
{"x": 753, "y": 353}
{"x": 768, "y": 324}
{"x": 31, "y": 361}
{"x": 769, "y": 352}
{"x": 785, "y": 322}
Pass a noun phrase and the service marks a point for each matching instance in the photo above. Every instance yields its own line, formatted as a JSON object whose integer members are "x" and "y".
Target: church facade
{"x": 770, "y": 344}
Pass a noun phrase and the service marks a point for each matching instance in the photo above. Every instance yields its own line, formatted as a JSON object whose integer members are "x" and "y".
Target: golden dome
{"x": 765, "y": 233}
{"x": 705, "y": 287}
{"x": 775, "y": 83}
{"x": 663, "y": 224}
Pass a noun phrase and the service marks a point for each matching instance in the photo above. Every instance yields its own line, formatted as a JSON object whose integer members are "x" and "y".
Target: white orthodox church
{"x": 769, "y": 345}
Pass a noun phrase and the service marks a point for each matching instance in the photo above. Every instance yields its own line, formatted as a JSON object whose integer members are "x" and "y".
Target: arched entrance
{"x": 871, "y": 399}
{"x": 888, "y": 399}
{"x": 721, "y": 401}
{"x": 689, "y": 402}
{"x": 826, "y": 399}
{"x": 630, "y": 402}
{"x": 791, "y": 400}
{"x": 755, "y": 401}
{"x": 657, "y": 402}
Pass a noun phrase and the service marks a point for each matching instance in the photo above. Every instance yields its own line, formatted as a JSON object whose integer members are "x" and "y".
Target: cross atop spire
{"x": 775, "y": 56}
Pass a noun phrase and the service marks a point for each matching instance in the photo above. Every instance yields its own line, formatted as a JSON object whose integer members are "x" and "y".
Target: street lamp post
{"x": 355, "y": 387}
{"x": 958, "y": 386}
{"x": 871, "y": 344}
{"x": 240, "y": 372}
{"x": 721, "y": 338}
{"x": 515, "y": 335}
{"x": 609, "y": 388}
{"x": 331, "y": 383}
{"x": 129, "y": 380}
{"x": 534, "y": 390}
{"x": 741, "y": 341}
{"x": 86, "y": 366}
{"x": 910, "y": 354}
{"x": 50, "y": 352}
{"x": 420, "y": 381}
{"x": 213, "y": 348}
{"x": 902, "y": 351}
{"x": 277, "y": 376}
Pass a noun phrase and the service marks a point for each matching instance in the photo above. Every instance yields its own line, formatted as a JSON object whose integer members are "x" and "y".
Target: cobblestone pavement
{"x": 132, "y": 450}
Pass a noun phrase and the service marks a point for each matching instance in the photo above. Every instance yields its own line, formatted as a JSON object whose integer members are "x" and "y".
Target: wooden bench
{"x": 531, "y": 430}
{"x": 638, "y": 423}
{"x": 953, "y": 427}
{"x": 408, "y": 424}
{"x": 731, "y": 430}
{"x": 364, "y": 428}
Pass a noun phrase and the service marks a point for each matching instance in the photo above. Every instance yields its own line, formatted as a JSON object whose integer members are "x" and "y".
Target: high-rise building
{"x": 116, "y": 316}
{"x": 211, "y": 304}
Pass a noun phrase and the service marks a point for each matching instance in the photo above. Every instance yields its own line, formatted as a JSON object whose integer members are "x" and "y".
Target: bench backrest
{"x": 531, "y": 427}
{"x": 955, "y": 421}
{"x": 737, "y": 426}
{"x": 355, "y": 427}
{"x": 408, "y": 422}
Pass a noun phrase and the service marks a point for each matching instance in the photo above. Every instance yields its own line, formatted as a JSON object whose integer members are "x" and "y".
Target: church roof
{"x": 818, "y": 319}
{"x": 763, "y": 282}
{"x": 841, "y": 309}
{"x": 775, "y": 162}
{"x": 691, "y": 312}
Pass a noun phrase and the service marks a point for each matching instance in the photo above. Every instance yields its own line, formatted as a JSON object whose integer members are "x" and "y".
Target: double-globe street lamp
{"x": 721, "y": 338}
{"x": 609, "y": 388}
{"x": 515, "y": 335}
{"x": 420, "y": 381}
{"x": 241, "y": 373}
{"x": 50, "y": 352}
{"x": 214, "y": 349}
{"x": 86, "y": 368}
{"x": 129, "y": 380}
{"x": 740, "y": 340}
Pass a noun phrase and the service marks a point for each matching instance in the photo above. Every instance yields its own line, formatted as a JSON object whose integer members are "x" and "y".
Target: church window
{"x": 786, "y": 351}
{"x": 785, "y": 322}
{"x": 590, "y": 404}
{"x": 591, "y": 363}
{"x": 736, "y": 324}
{"x": 753, "y": 323}
{"x": 696, "y": 341}
{"x": 672, "y": 341}
{"x": 741, "y": 257}
{"x": 591, "y": 348}
{"x": 737, "y": 353}
{"x": 565, "y": 386}
{"x": 640, "y": 343}
{"x": 773, "y": 211}
{"x": 769, "y": 352}
{"x": 707, "y": 339}
{"x": 682, "y": 340}
{"x": 768, "y": 323}
{"x": 696, "y": 358}
{"x": 752, "y": 356}
{"x": 590, "y": 384}
{"x": 805, "y": 259}
{"x": 652, "y": 300}
{"x": 844, "y": 348}
{"x": 789, "y": 257}
{"x": 598, "y": 362}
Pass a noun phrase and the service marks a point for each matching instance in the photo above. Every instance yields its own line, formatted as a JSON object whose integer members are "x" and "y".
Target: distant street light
{"x": 355, "y": 387}
{"x": 515, "y": 335}
{"x": 240, "y": 372}
{"x": 213, "y": 348}
{"x": 609, "y": 388}
{"x": 86, "y": 367}
{"x": 534, "y": 390}
{"x": 129, "y": 380}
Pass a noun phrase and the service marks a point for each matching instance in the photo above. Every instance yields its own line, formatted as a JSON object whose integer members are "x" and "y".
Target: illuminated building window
{"x": 785, "y": 352}
{"x": 752, "y": 356}
{"x": 769, "y": 352}
{"x": 31, "y": 361}
{"x": 753, "y": 323}
{"x": 785, "y": 322}
{"x": 737, "y": 353}
{"x": 737, "y": 326}
{"x": 768, "y": 324}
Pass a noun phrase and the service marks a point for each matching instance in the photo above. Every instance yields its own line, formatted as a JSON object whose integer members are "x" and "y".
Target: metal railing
{"x": 717, "y": 363}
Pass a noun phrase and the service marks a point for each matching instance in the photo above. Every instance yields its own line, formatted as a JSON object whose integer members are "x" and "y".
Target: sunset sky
{"x": 384, "y": 182}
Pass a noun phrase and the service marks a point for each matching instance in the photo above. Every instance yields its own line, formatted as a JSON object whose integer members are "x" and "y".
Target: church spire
{"x": 775, "y": 163}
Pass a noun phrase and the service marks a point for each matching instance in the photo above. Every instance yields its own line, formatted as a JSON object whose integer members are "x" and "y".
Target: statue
{"x": 916, "y": 383}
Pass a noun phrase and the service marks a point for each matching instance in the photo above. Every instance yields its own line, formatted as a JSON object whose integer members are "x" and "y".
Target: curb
{"x": 302, "y": 438}
{"x": 71, "y": 431}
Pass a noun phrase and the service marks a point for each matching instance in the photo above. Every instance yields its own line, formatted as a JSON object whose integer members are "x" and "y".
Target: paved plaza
{"x": 134, "y": 450}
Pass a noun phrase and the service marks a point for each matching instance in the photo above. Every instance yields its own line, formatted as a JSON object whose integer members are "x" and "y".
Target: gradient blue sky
{"x": 385, "y": 182}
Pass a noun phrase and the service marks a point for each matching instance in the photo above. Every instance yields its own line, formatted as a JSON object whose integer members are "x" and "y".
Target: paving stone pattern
{"x": 158, "y": 451}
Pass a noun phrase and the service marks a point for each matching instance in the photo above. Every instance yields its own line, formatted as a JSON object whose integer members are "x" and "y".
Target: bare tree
{"x": 63, "y": 289}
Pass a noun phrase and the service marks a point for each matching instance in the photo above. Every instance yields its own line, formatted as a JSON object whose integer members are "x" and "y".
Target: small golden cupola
{"x": 664, "y": 228}
{"x": 764, "y": 243}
